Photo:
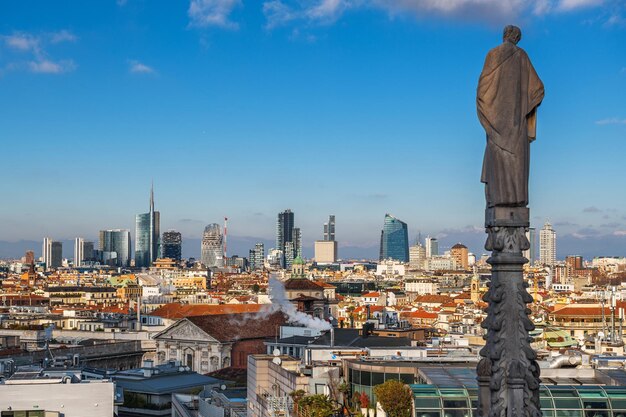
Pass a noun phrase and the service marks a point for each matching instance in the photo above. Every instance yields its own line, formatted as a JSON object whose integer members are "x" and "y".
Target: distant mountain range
{"x": 569, "y": 244}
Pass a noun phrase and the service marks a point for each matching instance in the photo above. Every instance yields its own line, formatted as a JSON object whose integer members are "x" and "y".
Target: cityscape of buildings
{"x": 314, "y": 250}
{"x": 246, "y": 335}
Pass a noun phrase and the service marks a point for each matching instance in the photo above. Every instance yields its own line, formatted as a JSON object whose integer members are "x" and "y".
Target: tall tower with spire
{"x": 147, "y": 235}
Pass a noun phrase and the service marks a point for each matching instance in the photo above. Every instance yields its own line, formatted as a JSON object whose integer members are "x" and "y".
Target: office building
{"x": 329, "y": 229}
{"x": 256, "y": 258}
{"x": 547, "y": 245}
{"x": 394, "y": 240}
{"x": 46, "y": 252}
{"x": 79, "y": 251}
{"x": 172, "y": 245}
{"x": 531, "y": 253}
{"x": 115, "y": 247}
{"x": 417, "y": 256}
{"x": 56, "y": 251}
{"x": 284, "y": 233}
{"x": 460, "y": 254}
{"x": 289, "y": 255}
{"x": 147, "y": 235}
{"x": 574, "y": 262}
{"x": 212, "y": 247}
{"x": 297, "y": 242}
{"x": 88, "y": 255}
{"x": 325, "y": 251}
{"x": 432, "y": 246}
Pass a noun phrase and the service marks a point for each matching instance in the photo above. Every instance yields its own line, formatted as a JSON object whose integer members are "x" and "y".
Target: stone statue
{"x": 509, "y": 92}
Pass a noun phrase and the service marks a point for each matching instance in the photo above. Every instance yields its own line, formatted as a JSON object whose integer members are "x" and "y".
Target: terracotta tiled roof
{"x": 433, "y": 298}
{"x": 234, "y": 327}
{"x": 179, "y": 311}
{"x": 362, "y": 309}
{"x": 575, "y": 311}
{"x": 301, "y": 284}
{"x": 464, "y": 296}
{"x": 420, "y": 314}
{"x": 324, "y": 284}
{"x": 371, "y": 294}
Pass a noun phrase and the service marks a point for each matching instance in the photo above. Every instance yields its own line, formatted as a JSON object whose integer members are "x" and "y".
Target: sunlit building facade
{"x": 394, "y": 240}
{"x": 212, "y": 247}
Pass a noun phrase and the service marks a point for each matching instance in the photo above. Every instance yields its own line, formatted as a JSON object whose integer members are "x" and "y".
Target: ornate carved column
{"x": 508, "y": 373}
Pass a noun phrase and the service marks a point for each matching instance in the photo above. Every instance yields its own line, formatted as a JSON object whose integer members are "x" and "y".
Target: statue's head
{"x": 512, "y": 34}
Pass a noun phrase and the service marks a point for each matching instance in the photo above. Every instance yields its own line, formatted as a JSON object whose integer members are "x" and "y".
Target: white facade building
{"x": 547, "y": 245}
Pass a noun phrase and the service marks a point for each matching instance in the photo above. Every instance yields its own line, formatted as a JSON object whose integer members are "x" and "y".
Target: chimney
{"x": 332, "y": 337}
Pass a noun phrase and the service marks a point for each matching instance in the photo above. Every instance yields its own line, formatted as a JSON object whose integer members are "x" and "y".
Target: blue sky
{"x": 351, "y": 107}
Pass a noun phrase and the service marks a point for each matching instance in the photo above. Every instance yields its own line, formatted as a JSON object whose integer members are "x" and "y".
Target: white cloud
{"x": 29, "y": 52}
{"x": 612, "y": 121}
{"x": 22, "y": 41}
{"x": 137, "y": 67}
{"x": 567, "y": 5}
{"x": 62, "y": 36}
{"x": 206, "y": 13}
{"x": 280, "y": 12}
{"x": 46, "y": 66}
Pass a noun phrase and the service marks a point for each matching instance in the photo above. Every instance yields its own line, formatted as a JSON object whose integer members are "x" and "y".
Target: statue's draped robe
{"x": 509, "y": 92}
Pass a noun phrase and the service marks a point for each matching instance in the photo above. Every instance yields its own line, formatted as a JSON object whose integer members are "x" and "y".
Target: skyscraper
{"x": 257, "y": 257}
{"x": 79, "y": 251}
{"x": 115, "y": 247}
{"x": 547, "y": 245}
{"x": 172, "y": 245}
{"x": 212, "y": 247}
{"x": 56, "y": 252}
{"x": 46, "y": 252}
{"x": 329, "y": 229}
{"x": 326, "y": 250}
{"x": 394, "y": 239}
{"x": 284, "y": 233}
{"x": 88, "y": 251}
{"x": 296, "y": 238}
{"x": 147, "y": 235}
{"x": 432, "y": 246}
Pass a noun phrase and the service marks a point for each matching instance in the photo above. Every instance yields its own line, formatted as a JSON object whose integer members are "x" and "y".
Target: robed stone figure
{"x": 509, "y": 92}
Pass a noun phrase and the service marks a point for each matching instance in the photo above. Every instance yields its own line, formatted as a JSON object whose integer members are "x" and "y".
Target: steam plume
{"x": 281, "y": 303}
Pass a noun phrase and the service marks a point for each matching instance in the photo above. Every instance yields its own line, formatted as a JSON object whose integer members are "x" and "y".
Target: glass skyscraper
{"x": 171, "y": 245}
{"x": 284, "y": 234}
{"x": 329, "y": 229}
{"x": 147, "y": 236}
{"x": 115, "y": 247}
{"x": 212, "y": 247}
{"x": 394, "y": 240}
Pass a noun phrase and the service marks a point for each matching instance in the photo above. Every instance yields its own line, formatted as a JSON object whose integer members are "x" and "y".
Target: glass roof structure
{"x": 556, "y": 401}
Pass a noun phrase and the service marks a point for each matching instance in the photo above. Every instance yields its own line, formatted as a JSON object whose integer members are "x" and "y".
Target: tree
{"x": 395, "y": 398}
{"x": 317, "y": 405}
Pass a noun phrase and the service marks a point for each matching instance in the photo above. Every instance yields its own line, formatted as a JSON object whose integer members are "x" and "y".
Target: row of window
{"x": 376, "y": 378}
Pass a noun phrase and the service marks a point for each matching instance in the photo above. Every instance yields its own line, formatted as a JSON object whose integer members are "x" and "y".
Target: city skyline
{"x": 178, "y": 91}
